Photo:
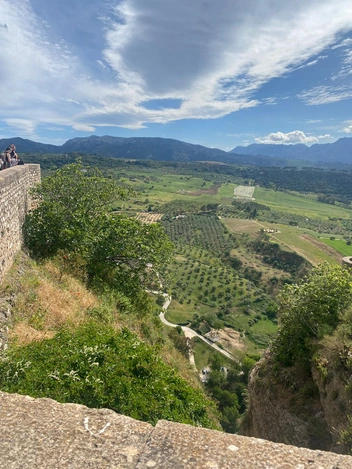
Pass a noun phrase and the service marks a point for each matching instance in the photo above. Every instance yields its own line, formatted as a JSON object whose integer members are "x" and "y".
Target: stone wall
{"x": 347, "y": 261}
{"x": 15, "y": 201}
{"x": 41, "y": 433}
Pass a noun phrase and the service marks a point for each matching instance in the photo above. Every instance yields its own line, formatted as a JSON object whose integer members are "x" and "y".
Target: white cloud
{"x": 83, "y": 128}
{"x": 326, "y": 94}
{"x": 346, "y": 66}
{"x": 325, "y": 137}
{"x": 25, "y": 126}
{"x": 297, "y": 136}
{"x": 348, "y": 128}
{"x": 344, "y": 43}
{"x": 213, "y": 59}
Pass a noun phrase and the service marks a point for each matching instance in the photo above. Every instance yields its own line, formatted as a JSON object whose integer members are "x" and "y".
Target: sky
{"x": 217, "y": 73}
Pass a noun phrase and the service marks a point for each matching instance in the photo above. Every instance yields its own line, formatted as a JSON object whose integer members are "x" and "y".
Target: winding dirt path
{"x": 190, "y": 333}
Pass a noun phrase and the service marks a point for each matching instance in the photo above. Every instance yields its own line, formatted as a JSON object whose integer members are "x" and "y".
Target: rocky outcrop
{"x": 298, "y": 406}
{"x": 45, "y": 434}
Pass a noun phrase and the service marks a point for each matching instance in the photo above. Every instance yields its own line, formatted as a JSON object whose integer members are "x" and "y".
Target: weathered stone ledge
{"x": 41, "y": 433}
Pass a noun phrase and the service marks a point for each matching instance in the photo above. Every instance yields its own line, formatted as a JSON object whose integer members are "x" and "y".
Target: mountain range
{"x": 165, "y": 149}
{"x": 339, "y": 151}
{"x": 146, "y": 148}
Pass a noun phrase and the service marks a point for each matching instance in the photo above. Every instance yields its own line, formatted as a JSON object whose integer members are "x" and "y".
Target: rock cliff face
{"x": 299, "y": 407}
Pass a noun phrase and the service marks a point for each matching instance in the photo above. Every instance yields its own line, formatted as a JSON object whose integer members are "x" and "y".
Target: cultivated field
{"x": 156, "y": 188}
{"x": 300, "y": 204}
{"x": 244, "y": 191}
{"x": 149, "y": 217}
{"x": 304, "y": 242}
{"x": 339, "y": 245}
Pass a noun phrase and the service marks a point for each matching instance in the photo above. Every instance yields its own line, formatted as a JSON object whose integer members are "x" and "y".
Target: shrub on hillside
{"x": 99, "y": 367}
{"x": 310, "y": 310}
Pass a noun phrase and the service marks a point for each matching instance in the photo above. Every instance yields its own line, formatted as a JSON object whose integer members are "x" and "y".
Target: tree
{"x": 71, "y": 204}
{"x": 127, "y": 254}
{"x": 74, "y": 216}
{"x": 310, "y": 310}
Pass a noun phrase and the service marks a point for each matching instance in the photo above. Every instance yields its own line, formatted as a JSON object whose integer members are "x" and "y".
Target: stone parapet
{"x": 41, "y": 433}
{"x": 347, "y": 261}
{"x": 15, "y": 202}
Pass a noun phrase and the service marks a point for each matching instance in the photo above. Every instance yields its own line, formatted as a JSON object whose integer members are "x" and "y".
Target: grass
{"x": 203, "y": 354}
{"x": 299, "y": 204}
{"x": 290, "y": 237}
{"x": 44, "y": 301}
{"x": 157, "y": 188}
{"x": 208, "y": 292}
{"x": 338, "y": 244}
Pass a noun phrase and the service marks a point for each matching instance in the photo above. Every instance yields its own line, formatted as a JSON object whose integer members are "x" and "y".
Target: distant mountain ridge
{"x": 145, "y": 148}
{"x": 339, "y": 151}
{"x": 167, "y": 149}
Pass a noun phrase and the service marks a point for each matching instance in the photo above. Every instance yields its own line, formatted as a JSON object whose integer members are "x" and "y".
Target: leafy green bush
{"x": 74, "y": 220}
{"x": 309, "y": 311}
{"x": 99, "y": 367}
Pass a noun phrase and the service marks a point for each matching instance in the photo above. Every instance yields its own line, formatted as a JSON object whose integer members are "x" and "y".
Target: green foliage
{"x": 128, "y": 254}
{"x": 202, "y": 231}
{"x": 180, "y": 341}
{"x": 99, "y": 367}
{"x": 74, "y": 218}
{"x": 70, "y": 207}
{"x": 310, "y": 310}
{"x": 227, "y": 386}
{"x": 272, "y": 254}
{"x": 346, "y": 435}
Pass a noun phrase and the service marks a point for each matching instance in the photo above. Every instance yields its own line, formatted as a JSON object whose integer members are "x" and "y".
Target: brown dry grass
{"x": 24, "y": 334}
{"x": 45, "y": 300}
{"x": 64, "y": 306}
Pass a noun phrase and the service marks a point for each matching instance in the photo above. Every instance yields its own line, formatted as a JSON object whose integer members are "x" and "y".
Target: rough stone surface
{"x": 177, "y": 446}
{"x": 347, "y": 261}
{"x": 41, "y": 433}
{"x": 15, "y": 202}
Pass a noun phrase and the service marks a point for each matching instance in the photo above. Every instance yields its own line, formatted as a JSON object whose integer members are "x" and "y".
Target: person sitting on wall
{"x": 9, "y": 157}
{"x": 13, "y": 155}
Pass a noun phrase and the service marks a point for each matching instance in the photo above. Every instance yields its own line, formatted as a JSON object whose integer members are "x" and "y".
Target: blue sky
{"x": 219, "y": 73}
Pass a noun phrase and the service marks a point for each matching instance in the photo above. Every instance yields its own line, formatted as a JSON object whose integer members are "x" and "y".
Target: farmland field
{"x": 148, "y": 218}
{"x": 299, "y": 204}
{"x": 290, "y": 236}
{"x": 208, "y": 291}
{"x": 339, "y": 244}
{"x": 244, "y": 191}
{"x": 156, "y": 188}
{"x": 217, "y": 279}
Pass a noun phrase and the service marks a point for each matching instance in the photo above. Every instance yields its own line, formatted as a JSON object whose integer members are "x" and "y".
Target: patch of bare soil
{"x": 213, "y": 190}
{"x": 330, "y": 251}
{"x": 229, "y": 338}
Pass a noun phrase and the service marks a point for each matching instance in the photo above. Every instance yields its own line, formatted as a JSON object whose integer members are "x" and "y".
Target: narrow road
{"x": 190, "y": 333}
